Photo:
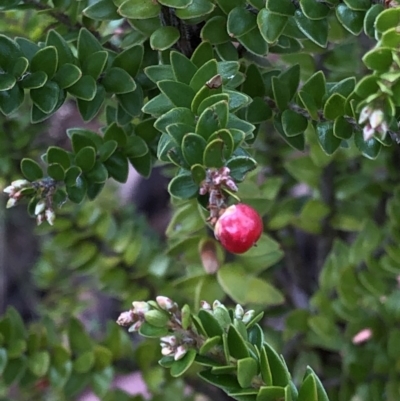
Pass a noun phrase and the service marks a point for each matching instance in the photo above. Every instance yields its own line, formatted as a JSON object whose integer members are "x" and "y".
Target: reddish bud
{"x": 238, "y": 228}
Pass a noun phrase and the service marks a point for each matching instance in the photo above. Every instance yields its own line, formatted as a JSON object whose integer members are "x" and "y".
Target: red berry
{"x": 238, "y": 228}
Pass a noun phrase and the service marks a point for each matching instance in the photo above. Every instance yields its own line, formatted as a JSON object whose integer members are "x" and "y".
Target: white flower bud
{"x": 239, "y": 311}
{"x": 40, "y": 206}
{"x": 376, "y": 118}
{"x": 248, "y": 316}
{"x": 165, "y": 303}
{"x": 180, "y": 353}
{"x": 40, "y": 218}
{"x": 9, "y": 190}
{"x": 11, "y": 203}
{"x": 135, "y": 326}
{"x": 364, "y": 115}
{"x": 19, "y": 184}
{"x": 216, "y": 303}
{"x": 50, "y": 216}
{"x": 140, "y": 307}
{"x": 169, "y": 340}
{"x": 167, "y": 351}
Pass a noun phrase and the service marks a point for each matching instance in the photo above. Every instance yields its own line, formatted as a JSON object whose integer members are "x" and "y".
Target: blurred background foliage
{"x": 325, "y": 272}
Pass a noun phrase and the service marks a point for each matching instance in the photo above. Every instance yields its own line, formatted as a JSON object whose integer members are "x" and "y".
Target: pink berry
{"x": 238, "y": 228}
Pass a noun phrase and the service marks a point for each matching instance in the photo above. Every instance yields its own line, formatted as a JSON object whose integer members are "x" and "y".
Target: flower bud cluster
{"x": 135, "y": 316}
{"x": 375, "y": 124}
{"x": 14, "y": 192}
{"x": 239, "y": 312}
{"x": 44, "y": 212}
{"x": 215, "y": 181}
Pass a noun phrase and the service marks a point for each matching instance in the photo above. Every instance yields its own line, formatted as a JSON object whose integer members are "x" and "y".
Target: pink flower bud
{"x": 205, "y": 305}
{"x": 368, "y": 132}
{"x": 135, "y": 326}
{"x": 125, "y": 318}
{"x": 165, "y": 303}
{"x": 40, "y": 218}
{"x": 362, "y": 336}
{"x": 169, "y": 340}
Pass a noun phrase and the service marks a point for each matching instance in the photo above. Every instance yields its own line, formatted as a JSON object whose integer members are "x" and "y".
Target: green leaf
{"x": 280, "y": 374}
{"x": 142, "y": 164}
{"x": 3, "y": 360}
{"x": 56, "y": 172}
{"x": 176, "y": 3}
{"x": 45, "y": 60}
{"x": 296, "y": 142}
{"x": 89, "y": 109}
{"x": 159, "y": 72}
{"x": 212, "y": 119}
{"x": 214, "y": 30}
{"x": 379, "y": 59}
{"x": 387, "y": 19}
{"x": 350, "y": 19}
{"x": 102, "y": 10}
{"x": 34, "y": 80}
{"x": 31, "y": 170}
{"x": 271, "y": 25}
{"x": 9, "y": 51}
{"x": 210, "y": 324}
{"x": 240, "y": 21}
{"x": 117, "y": 80}
{"x": 254, "y": 42}
{"x": 236, "y": 344}
{"x": 86, "y": 158}
{"x": 132, "y": 102}
{"x": 214, "y": 154}
{"x": 179, "y": 367}
{"x": 20, "y": 66}
{"x": 308, "y": 389}
{"x": 11, "y": 100}
{"x": 240, "y": 166}
{"x": 98, "y": 174}
{"x": 58, "y": 155}
{"x": 117, "y": 166}
{"x": 246, "y": 370}
{"x": 293, "y": 123}
{"x": 95, "y": 64}
{"x": 204, "y": 74}
{"x": 315, "y": 30}
{"x": 198, "y": 8}
{"x": 39, "y": 363}
{"x": 64, "y": 52}
{"x": 179, "y": 114}
{"x": 370, "y": 18}
{"x": 182, "y": 68}
{"x": 117, "y": 134}
{"x": 81, "y": 138}
{"x": 180, "y": 94}
{"x": 87, "y": 45}
{"x": 139, "y": 9}
{"x": 329, "y": 142}
{"x": 314, "y": 10}
{"x": 130, "y": 60}
{"x": 182, "y": 186}
{"x": 164, "y": 38}
{"x": 84, "y": 88}
{"x": 370, "y": 148}
{"x": 203, "y": 53}
{"x": 79, "y": 340}
{"x": 283, "y": 7}
{"x": 7, "y": 81}
{"x": 67, "y": 75}
{"x": 84, "y": 362}
{"x": 198, "y": 173}
{"x": 193, "y": 147}
{"x": 136, "y": 147}
{"x": 241, "y": 287}
{"x": 342, "y": 128}
{"x": 334, "y": 106}
{"x": 46, "y": 97}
